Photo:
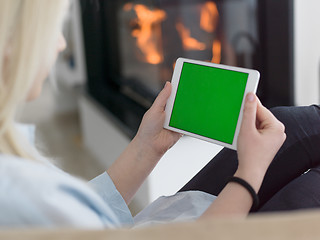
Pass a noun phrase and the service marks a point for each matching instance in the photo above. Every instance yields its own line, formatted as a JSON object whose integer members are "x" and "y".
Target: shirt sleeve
{"x": 183, "y": 206}
{"x": 35, "y": 195}
{"x": 105, "y": 187}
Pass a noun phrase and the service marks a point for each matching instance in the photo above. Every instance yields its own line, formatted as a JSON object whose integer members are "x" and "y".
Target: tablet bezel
{"x": 251, "y": 86}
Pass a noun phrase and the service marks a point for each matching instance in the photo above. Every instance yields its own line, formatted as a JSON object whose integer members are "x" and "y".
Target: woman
{"x": 35, "y": 193}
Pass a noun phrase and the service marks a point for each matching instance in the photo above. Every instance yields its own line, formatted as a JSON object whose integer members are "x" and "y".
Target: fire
{"x": 208, "y": 22}
{"x": 127, "y": 7}
{"x": 148, "y": 32}
{"x": 209, "y": 17}
{"x": 188, "y": 42}
{"x": 216, "y": 51}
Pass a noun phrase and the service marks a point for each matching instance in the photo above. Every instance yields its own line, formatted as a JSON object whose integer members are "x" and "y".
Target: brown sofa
{"x": 294, "y": 225}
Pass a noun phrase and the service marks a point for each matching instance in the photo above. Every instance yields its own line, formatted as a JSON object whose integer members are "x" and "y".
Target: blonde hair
{"x": 29, "y": 31}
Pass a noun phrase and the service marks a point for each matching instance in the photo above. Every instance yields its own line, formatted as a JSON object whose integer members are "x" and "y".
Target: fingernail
{"x": 166, "y": 84}
{"x": 250, "y": 97}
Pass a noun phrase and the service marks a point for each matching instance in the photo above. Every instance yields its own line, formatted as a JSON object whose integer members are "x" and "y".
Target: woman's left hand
{"x": 152, "y": 138}
{"x": 136, "y": 162}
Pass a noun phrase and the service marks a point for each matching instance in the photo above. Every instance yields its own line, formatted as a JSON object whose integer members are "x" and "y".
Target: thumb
{"x": 264, "y": 115}
{"x": 249, "y": 112}
{"x": 162, "y": 98}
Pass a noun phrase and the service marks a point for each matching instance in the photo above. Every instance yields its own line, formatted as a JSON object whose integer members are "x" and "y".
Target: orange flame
{"x": 216, "y": 51}
{"x": 188, "y": 42}
{"x": 127, "y": 7}
{"x": 209, "y": 17}
{"x": 149, "y": 32}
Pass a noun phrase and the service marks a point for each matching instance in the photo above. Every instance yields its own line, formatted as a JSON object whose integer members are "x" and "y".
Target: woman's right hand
{"x": 261, "y": 136}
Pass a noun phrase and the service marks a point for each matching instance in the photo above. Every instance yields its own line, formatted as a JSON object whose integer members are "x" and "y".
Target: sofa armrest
{"x": 290, "y": 225}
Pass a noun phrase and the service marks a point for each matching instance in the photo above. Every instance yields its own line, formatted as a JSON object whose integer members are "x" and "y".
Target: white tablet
{"x": 207, "y": 100}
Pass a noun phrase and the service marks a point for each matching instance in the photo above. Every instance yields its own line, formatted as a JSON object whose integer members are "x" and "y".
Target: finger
{"x": 258, "y": 100}
{"x": 249, "y": 112}
{"x": 162, "y": 98}
{"x": 264, "y": 116}
{"x": 262, "y": 112}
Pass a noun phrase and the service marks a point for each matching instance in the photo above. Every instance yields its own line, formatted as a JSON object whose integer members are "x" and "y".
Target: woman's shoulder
{"x": 10, "y": 164}
{"x": 30, "y": 175}
{"x": 23, "y": 177}
{"x": 14, "y": 167}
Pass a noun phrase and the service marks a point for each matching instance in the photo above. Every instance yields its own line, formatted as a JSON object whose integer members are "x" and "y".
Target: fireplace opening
{"x": 152, "y": 36}
{"x": 131, "y": 47}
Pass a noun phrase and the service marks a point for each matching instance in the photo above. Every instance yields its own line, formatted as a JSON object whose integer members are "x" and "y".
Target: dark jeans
{"x": 286, "y": 186}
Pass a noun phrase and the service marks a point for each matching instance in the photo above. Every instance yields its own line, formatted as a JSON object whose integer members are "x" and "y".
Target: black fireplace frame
{"x": 102, "y": 57}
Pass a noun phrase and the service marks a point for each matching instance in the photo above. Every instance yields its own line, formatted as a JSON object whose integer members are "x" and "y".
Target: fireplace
{"x": 131, "y": 47}
{"x": 151, "y": 37}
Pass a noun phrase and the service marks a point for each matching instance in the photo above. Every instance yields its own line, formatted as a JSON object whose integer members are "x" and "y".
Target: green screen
{"x": 208, "y": 101}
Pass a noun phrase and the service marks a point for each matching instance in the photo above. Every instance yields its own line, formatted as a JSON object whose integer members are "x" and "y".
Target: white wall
{"x": 307, "y": 51}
